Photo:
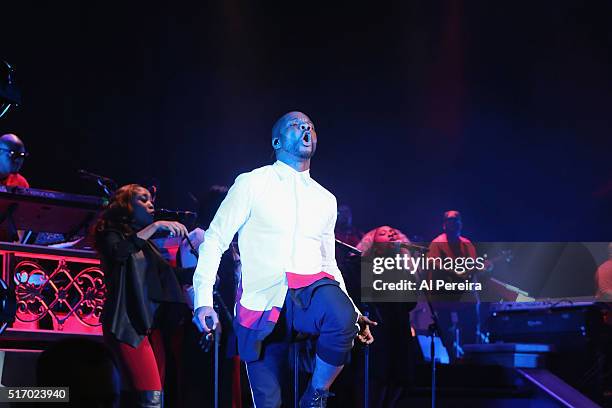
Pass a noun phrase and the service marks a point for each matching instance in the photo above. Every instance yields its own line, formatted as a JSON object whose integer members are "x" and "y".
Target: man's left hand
{"x": 364, "y": 335}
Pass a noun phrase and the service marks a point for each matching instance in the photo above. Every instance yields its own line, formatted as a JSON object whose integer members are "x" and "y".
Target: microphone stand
{"x": 108, "y": 185}
{"x": 218, "y": 303}
{"x": 434, "y": 330}
{"x": 434, "y": 327}
{"x": 366, "y": 368}
{"x": 107, "y": 190}
{"x": 350, "y": 248}
{"x": 366, "y": 348}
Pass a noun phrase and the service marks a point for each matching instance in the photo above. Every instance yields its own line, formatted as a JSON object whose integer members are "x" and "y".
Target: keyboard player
{"x": 12, "y": 155}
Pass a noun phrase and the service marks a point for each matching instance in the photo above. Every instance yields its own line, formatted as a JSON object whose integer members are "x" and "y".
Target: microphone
{"x": 86, "y": 175}
{"x": 107, "y": 184}
{"x": 414, "y": 247}
{"x": 188, "y": 218}
{"x": 173, "y": 215}
{"x": 348, "y": 247}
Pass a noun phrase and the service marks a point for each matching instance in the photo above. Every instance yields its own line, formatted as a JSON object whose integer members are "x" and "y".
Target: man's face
{"x": 453, "y": 226}
{"x": 297, "y": 136}
{"x": 10, "y": 159}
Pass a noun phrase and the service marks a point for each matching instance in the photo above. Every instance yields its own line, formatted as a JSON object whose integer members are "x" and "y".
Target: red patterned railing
{"x": 56, "y": 289}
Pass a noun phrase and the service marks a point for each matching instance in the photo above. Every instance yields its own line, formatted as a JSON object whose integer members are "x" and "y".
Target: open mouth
{"x": 306, "y": 138}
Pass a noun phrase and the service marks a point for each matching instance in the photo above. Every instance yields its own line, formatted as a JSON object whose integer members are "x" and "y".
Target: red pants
{"x": 145, "y": 365}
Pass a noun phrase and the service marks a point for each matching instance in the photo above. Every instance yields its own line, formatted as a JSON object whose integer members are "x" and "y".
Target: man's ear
{"x": 275, "y": 143}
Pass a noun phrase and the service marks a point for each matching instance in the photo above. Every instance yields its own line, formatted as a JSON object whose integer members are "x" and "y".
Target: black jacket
{"x": 143, "y": 290}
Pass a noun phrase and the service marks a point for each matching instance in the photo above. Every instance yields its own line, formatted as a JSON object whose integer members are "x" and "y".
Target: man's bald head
{"x": 452, "y": 223}
{"x": 282, "y": 121}
{"x": 11, "y": 141}
{"x": 294, "y": 138}
{"x": 12, "y": 153}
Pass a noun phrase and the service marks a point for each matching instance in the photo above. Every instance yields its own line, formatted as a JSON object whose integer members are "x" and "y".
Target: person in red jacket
{"x": 457, "y": 309}
{"x": 12, "y": 155}
{"x": 603, "y": 278}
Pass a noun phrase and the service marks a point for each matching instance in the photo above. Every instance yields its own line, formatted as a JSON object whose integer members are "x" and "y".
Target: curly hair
{"x": 367, "y": 242}
{"x": 119, "y": 212}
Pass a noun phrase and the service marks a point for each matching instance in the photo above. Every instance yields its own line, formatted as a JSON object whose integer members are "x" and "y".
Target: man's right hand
{"x": 199, "y": 319}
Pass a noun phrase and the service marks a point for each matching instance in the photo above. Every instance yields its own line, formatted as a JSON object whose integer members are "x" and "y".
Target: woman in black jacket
{"x": 144, "y": 295}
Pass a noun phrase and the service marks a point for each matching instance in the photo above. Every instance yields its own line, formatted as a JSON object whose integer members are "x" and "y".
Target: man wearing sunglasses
{"x": 12, "y": 155}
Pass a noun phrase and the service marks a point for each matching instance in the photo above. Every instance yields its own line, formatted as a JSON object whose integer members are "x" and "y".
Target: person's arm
{"x": 231, "y": 215}
{"x": 176, "y": 228}
{"x": 471, "y": 253}
{"x": 603, "y": 281}
{"x": 116, "y": 247}
{"x": 434, "y": 252}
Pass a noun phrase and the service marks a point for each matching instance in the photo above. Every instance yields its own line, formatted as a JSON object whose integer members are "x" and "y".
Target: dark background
{"x": 499, "y": 110}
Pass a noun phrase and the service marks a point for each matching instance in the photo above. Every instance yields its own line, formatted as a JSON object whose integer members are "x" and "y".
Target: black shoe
{"x": 314, "y": 398}
{"x": 150, "y": 399}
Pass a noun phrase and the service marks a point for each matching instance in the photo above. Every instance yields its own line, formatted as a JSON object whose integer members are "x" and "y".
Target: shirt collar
{"x": 285, "y": 171}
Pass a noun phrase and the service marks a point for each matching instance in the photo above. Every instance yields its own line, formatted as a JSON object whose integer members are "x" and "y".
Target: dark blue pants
{"x": 325, "y": 312}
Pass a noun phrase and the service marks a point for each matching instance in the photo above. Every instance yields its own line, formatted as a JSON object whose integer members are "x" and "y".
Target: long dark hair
{"x": 119, "y": 213}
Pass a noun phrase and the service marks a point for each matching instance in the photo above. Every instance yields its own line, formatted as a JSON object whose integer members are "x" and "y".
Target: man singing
{"x": 290, "y": 281}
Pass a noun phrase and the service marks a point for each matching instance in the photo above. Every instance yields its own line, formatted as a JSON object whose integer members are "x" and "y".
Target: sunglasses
{"x": 13, "y": 154}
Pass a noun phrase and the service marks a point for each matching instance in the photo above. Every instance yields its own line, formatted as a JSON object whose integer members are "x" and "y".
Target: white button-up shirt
{"x": 285, "y": 222}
